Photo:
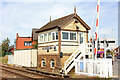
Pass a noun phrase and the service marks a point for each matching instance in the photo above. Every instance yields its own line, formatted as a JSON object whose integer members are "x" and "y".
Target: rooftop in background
{"x": 116, "y": 47}
{"x": 10, "y": 48}
{"x": 26, "y": 42}
{"x": 34, "y": 35}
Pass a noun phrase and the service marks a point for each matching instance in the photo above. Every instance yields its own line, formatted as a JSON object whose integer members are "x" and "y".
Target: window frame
{"x": 54, "y": 36}
{"x": 25, "y": 43}
{"x": 48, "y": 36}
{"x": 44, "y": 37}
{"x": 52, "y": 62}
{"x": 40, "y": 38}
{"x": 43, "y": 65}
{"x": 62, "y": 36}
{"x": 28, "y": 42}
{"x": 68, "y": 36}
{"x": 79, "y": 37}
{"x": 76, "y": 35}
{"x": 51, "y": 34}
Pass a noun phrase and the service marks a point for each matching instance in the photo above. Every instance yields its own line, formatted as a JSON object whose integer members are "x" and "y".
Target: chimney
{"x": 75, "y": 9}
{"x": 17, "y": 36}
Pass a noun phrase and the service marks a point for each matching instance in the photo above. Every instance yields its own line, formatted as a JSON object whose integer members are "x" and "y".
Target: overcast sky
{"x": 21, "y": 16}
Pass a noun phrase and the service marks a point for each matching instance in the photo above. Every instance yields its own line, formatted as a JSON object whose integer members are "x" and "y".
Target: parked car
{"x": 109, "y": 56}
{"x": 118, "y": 57}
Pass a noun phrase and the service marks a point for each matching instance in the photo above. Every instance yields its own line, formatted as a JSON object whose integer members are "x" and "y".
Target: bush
{"x": 4, "y": 59}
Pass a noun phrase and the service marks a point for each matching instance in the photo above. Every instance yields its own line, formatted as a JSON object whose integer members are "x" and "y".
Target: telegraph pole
{"x": 96, "y": 34}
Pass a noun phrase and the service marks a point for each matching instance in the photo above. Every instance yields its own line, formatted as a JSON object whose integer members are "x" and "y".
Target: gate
{"x": 90, "y": 67}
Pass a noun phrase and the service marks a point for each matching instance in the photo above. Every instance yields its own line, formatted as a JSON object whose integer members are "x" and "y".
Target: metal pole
{"x": 104, "y": 48}
{"x": 96, "y": 34}
{"x": 92, "y": 47}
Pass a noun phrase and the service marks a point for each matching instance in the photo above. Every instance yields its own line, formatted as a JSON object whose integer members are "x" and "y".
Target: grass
{"x": 10, "y": 64}
{"x": 4, "y": 60}
{"x": 97, "y": 77}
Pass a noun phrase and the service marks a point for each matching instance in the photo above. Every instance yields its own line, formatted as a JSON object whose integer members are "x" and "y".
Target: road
{"x": 116, "y": 68}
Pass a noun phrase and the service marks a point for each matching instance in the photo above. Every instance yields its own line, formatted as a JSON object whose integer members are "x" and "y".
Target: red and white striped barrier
{"x": 96, "y": 34}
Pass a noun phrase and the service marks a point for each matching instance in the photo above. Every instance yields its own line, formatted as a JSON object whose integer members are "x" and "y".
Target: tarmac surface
{"x": 116, "y": 68}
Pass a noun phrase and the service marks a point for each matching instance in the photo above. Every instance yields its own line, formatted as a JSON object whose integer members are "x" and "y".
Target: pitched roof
{"x": 61, "y": 21}
{"x": 116, "y": 48}
{"x": 10, "y": 47}
{"x": 34, "y": 35}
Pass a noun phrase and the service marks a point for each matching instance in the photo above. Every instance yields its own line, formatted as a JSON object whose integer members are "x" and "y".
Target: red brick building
{"x": 26, "y": 42}
{"x": 23, "y": 42}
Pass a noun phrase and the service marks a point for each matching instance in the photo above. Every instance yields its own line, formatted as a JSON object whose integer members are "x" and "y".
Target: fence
{"x": 90, "y": 67}
{"x": 10, "y": 59}
{"x": 27, "y": 58}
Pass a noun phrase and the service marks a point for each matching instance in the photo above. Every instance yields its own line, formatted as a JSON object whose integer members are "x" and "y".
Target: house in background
{"x": 60, "y": 37}
{"x": 34, "y": 36}
{"x": 25, "y": 54}
{"x": 26, "y": 42}
{"x": 117, "y": 50}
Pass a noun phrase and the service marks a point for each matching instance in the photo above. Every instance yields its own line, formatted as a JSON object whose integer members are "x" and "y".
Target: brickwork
{"x": 65, "y": 57}
{"x": 47, "y": 59}
{"x": 20, "y": 42}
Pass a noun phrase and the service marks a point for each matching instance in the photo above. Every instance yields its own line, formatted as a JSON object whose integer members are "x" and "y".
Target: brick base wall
{"x": 47, "y": 59}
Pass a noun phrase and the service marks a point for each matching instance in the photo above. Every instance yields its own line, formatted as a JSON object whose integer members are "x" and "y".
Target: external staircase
{"x": 70, "y": 62}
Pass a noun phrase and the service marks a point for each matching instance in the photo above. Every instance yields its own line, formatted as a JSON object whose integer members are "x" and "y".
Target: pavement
{"x": 119, "y": 68}
{"x": 116, "y": 68}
